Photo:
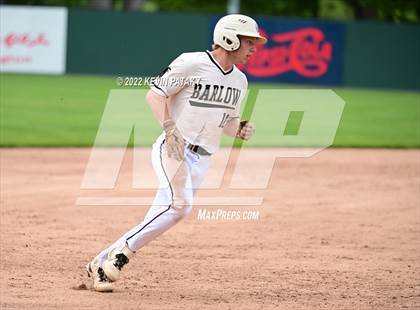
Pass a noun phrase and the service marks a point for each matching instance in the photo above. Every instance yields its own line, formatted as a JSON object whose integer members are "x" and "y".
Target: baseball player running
{"x": 193, "y": 118}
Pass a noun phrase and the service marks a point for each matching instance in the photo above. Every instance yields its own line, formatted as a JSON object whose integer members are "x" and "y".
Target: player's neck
{"x": 222, "y": 58}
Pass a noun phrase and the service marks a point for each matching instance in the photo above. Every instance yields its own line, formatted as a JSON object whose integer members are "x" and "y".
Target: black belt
{"x": 198, "y": 150}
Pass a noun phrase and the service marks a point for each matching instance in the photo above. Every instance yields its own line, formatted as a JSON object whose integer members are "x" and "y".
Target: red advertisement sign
{"x": 25, "y": 39}
{"x": 304, "y": 51}
{"x": 33, "y": 39}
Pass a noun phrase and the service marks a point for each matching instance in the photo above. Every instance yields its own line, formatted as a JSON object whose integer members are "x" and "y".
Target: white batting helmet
{"x": 230, "y": 26}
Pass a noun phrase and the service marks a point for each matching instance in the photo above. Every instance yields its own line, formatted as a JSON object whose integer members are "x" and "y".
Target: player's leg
{"x": 161, "y": 201}
{"x": 172, "y": 203}
{"x": 173, "y": 200}
{"x": 198, "y": 166}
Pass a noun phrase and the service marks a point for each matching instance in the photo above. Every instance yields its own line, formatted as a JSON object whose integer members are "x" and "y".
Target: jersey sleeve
{"x": 171, "y": 80}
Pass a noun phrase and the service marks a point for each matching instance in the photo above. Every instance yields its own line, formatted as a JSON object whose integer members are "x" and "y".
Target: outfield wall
{"x": 127, "y": 43}
{"x": 299, "y": 51}
{"x": 382, "y": 55}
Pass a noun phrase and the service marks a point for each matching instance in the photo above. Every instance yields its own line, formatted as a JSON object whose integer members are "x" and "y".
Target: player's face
{"x": 245, "y": 51}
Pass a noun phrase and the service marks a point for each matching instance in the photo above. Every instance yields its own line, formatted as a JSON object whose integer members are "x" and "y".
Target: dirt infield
{"x": 339, "y": 230}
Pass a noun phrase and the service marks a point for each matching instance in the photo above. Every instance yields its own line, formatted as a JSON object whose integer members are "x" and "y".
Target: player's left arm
{"x": 239, "y": 129}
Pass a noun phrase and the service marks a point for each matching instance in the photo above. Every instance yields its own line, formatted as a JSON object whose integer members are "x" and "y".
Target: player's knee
{"x": 182, "y": 208}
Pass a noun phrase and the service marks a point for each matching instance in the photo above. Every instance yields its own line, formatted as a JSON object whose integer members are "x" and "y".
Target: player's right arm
{"x": 159, "y": 99}
{"x": 174, "y": 140}
{"x": 164, "y": 88}
{"x": 158, "y": 105}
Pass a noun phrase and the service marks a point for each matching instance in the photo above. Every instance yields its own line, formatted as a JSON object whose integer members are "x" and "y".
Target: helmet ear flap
{"x": 226, "y": 39}
{"x": 228, "y": 42}
{"x": 231, "y": 44}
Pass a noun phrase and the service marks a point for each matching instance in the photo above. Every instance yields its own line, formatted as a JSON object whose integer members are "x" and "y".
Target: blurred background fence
{"x": 57, "y": 40}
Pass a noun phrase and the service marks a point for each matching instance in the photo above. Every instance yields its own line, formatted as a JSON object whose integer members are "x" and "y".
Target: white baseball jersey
{"x": 201, "y": 109}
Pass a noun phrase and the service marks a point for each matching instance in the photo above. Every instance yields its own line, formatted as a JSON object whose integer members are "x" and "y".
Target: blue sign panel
{"x": 298, "y": 51}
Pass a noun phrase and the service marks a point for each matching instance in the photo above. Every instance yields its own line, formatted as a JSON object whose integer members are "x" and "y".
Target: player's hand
{"x": 174, "y": 141}
{"x": 246, "y": 130}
